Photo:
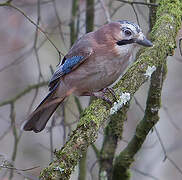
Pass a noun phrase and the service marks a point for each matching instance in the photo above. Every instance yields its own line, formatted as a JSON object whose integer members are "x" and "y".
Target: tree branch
{"x": 113, "y": 133}
{"x": 25, "y": 91}
{"x": 126, "y": 157}
{"x": 139, "y": 3}
{"x": 89, "y": 15}
{"x": 8, "y": 4}
{"x": 168, "y": 21}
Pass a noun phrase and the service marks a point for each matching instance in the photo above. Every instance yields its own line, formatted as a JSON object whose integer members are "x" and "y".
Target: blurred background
{"x": 27, "y": 60}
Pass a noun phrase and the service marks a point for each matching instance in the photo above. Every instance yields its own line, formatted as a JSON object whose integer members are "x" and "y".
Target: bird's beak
{"x": 142, "y": 40}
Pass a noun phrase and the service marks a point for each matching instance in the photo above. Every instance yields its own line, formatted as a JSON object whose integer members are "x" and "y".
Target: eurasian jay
{"x": 94, "y": 62}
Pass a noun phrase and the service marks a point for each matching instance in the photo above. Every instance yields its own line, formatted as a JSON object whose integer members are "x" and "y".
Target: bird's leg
{"x": 110, "y": 90}
{"x": 99, "y": 95}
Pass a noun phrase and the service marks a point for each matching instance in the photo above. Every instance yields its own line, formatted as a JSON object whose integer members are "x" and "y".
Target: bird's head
{"x": 130, "y": 33}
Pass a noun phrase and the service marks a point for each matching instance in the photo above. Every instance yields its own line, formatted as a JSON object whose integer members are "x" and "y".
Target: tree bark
{"x": 168, "y": 21}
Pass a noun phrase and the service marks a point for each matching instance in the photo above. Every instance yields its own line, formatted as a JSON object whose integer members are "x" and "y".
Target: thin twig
{"x": 135, "y": 14}
{"x": 22, "y": 93}
{"x": 171, "y": 119}
{"x": 16, "y": 169}
{"x": 105, "y": 11}
{"x": 36, "y": 39}
{"x": 51, "y": 137}
{"x": 37, "y": 56}
{"x": 31, "y": 21}
{"x": 59, "y": 23}
{"x": 17, "y": 60}
{"x": 25, "y": 54}
{"x": 114, "y": 10}
{"x": 139, "y": 3}
{"x": 16, "y": 138}
{"x": 165, "y": 152}
{"x": 5, "y": 133}
{"x": 180, "y": 48}
{"x": 161, "y": 142}
{"x": 144, "y": 174}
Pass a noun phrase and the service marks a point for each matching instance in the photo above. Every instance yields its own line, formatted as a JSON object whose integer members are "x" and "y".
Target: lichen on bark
{"x": 168, "y": 21}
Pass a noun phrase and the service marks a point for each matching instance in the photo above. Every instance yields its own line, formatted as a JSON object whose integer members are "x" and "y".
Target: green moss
{"x": 121, "y": 171}
{"x": 94, "y": 114}
{"x": 173, "y": 7}
{"x": 78, "y": 142}
{"x": 59, "y": 172}
{"x": 166, "y": 13}
{"x": 163, "y": 34}
{"x": 115, "y": 126}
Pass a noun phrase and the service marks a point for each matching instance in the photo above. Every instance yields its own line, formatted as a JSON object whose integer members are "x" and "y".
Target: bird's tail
{"x": 38, "y": 119}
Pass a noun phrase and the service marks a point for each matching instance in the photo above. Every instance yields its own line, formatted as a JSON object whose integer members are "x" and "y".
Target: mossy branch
{"x": 6, "y": 3}
{"x": 126, "y": 157}
{"x": 168, "y": 21}
{"x": 113, "y": 133}
{"x": 89, "y": 27}
{"x": 85, "y": 134}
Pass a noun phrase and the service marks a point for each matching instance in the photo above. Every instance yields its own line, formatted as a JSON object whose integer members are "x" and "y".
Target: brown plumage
{"x": 94, "y": 62}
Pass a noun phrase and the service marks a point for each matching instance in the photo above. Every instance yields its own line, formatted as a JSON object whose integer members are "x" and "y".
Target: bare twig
{"x": 180, "y": 47}
{"x": 5, "y": 133}
{"x": 144, "y": 174}
{"x": 31, "y": 21}
{"x": 63, "y": 123}
{"x": 16, "y": 138}
{"x": 22, "y": 93}
{"x": 37, "y": 56}
{"x": 105, "y": 11}
{"x": 161, "y": 142}
{"x": 25, "y": 54}
{"x": 139, "y": 3}
{"x": 114, "y": 11}
{"x": 135, "y": 14}
{"x": 59, "y": 23}
{"x": 17, "y": 169}
{"x": 166, "y": 156}
{"x": 126, "y": 157}
{"x": 17, "y": 60}
{"x": 170, "y": 118}
{"x": 51, "y": 137}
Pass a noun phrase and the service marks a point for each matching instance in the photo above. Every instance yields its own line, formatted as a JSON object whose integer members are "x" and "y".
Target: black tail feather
{"x": 38, "y": 119}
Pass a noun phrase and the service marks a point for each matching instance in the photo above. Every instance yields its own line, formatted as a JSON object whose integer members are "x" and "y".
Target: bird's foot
{"x": 100, "y": 95}
{"x": 111, "y": 91}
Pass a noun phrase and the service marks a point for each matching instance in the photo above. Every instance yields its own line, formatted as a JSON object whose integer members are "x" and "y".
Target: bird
{"x": 94, "y": 62}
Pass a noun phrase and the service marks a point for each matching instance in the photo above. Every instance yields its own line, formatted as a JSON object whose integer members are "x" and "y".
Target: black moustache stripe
{"x": 124, "y": 42}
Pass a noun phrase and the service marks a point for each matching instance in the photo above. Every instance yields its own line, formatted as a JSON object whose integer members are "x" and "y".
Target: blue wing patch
{"x": 70, "y": 63}
{"x": 66, "y": 68}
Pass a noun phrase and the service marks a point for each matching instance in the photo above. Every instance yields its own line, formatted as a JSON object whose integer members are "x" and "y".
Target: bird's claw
{"x": 100, "y": 95}
{"x": 110, "y": 90}
{"x": 106, "y": 99}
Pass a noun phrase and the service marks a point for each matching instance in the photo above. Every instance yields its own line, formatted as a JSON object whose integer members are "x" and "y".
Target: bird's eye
{"x": 127, "y": 32}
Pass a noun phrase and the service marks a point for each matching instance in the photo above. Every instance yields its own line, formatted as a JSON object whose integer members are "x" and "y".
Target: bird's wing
{"x": 70, "y": 62}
